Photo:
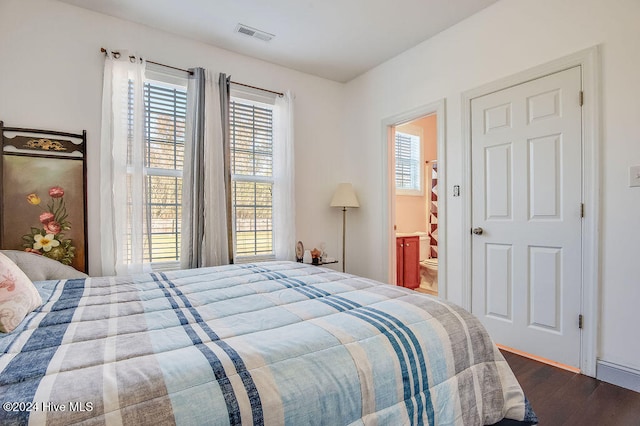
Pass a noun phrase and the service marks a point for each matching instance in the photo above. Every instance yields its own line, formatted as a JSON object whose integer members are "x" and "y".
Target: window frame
{"x": 167, "y": 79}
{"x": 267, "y": 101}
{"x": 417, "y": 132}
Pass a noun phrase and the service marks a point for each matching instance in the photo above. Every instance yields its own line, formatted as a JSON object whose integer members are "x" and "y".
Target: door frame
{"x": 589, "y": 61}
{"x": 389, "y": 190}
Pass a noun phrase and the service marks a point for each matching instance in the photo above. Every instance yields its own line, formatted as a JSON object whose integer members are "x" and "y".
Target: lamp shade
{"x": 344, "y": 196}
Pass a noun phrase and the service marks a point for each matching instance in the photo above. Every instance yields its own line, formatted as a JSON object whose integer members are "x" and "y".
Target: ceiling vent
{"x": 255, "y": 33}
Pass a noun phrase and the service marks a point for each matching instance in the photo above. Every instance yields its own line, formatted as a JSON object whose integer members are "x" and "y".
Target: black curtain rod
{"x": 103, "y": 50}
{"x": 257, "y": 88}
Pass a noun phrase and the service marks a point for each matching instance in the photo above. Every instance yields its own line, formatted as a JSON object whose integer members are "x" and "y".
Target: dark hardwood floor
{"x": 560, "y": 397}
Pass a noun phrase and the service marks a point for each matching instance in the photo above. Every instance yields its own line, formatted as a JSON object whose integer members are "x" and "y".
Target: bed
{"x": 266, "y": 343}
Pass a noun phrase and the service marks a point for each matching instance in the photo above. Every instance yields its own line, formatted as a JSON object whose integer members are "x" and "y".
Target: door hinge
{"x": 580, "y": 321}
{"x": 582, "y": 210}
{"x": 581, "y": 98}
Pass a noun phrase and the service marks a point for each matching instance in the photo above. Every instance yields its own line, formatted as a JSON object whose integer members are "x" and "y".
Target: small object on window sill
{"x": 315, "y": 261}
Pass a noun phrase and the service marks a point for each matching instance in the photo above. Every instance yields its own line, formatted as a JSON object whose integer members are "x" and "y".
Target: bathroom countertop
{"x": 412, "y": 234}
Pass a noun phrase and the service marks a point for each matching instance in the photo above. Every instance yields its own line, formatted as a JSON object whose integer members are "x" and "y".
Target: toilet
{"x": 428, "y": 265}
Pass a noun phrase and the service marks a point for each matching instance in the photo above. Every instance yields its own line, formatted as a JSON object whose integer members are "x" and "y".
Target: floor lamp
{"x": 344, "y": 197}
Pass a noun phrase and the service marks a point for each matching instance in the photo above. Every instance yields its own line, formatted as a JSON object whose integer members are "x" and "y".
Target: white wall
{"x": 51, "y": 73}
{"x": 51, "y": 77}
{"x": 504, "y": 39}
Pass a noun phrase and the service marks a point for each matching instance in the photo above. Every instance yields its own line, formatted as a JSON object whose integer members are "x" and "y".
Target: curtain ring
{"x": 116, "y": 55}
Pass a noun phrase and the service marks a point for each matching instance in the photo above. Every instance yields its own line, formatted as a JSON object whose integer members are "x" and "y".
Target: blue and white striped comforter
{"x": 268, "y": 343}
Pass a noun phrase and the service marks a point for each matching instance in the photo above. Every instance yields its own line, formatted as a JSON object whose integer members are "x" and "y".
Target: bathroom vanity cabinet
{"x": 408, "y": 261}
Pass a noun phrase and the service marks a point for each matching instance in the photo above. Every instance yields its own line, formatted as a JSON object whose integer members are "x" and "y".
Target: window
{"x": 165, "y": 105}
{"x": 408, "y": 164}
{"x": 251, "y": 134}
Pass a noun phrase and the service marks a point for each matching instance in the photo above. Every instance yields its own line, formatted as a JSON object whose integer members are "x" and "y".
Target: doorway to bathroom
{"x": 415, "y": 148}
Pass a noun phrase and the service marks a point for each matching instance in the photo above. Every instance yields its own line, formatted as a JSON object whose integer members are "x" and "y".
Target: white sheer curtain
{"x": 283, "y": 178}
{"x": 123, "y": 83}
{"x": 211, "y": 238}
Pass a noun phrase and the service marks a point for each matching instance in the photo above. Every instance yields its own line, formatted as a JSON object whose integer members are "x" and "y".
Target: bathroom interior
{"x": 416, "y": 209}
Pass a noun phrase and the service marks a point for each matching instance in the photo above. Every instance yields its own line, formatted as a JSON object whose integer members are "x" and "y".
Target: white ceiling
{"x": 334, "y": 39}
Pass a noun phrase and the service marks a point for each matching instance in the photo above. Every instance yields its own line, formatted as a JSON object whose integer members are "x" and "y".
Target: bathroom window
{"x": 408, "y": 151}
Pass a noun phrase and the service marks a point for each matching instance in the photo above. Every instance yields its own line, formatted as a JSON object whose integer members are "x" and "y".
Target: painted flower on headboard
{"x": 47, "y": 238}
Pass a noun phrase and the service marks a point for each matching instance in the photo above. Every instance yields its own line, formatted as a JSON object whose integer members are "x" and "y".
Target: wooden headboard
{"x": 43, "y": 191}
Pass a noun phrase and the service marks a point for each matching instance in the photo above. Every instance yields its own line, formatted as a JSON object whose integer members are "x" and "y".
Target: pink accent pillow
{"x": 18, "y": 295}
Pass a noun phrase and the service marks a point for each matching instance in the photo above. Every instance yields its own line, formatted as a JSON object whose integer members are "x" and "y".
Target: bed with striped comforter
{"x": 267, "y": 343}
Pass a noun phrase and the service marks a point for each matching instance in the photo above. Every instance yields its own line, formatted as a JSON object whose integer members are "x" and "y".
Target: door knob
{"x": 477, "y": 231}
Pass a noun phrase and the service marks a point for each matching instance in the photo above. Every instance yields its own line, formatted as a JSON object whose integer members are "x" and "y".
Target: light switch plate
{"x": 634, "y": 176}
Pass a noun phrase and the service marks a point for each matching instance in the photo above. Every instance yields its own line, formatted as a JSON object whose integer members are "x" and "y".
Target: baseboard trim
{"x": 538, "y": 358}
{"x": 618, "y": 375}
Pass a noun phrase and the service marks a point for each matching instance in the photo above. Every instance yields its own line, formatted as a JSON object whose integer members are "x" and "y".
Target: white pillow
{"x": 18, "y": 295}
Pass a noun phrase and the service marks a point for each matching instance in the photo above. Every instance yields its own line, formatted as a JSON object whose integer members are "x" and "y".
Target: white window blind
{"x": 408, "y": 163}
{"x": 165, "y": 107}
{"x": 251, "y": 131}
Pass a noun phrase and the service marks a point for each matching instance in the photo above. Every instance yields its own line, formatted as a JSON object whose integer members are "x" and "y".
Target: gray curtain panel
{"x": 224, "y": 83}
{"x": 193, "y": 174}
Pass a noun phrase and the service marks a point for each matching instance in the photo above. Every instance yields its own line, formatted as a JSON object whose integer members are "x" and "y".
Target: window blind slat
{"x": 164, "y": 137}
{"x": 251, "y": 162}
{"x": 407, "y": 151}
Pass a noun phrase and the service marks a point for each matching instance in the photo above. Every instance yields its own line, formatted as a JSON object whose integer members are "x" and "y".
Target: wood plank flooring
{"x": 560, "y": 397}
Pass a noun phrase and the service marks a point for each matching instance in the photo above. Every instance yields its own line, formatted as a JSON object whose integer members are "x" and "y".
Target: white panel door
{"x": 526, "y": 202}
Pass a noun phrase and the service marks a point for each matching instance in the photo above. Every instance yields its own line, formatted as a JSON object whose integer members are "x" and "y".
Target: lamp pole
{"x": 344, "y": 197}
{"x": 344, "y": 231}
